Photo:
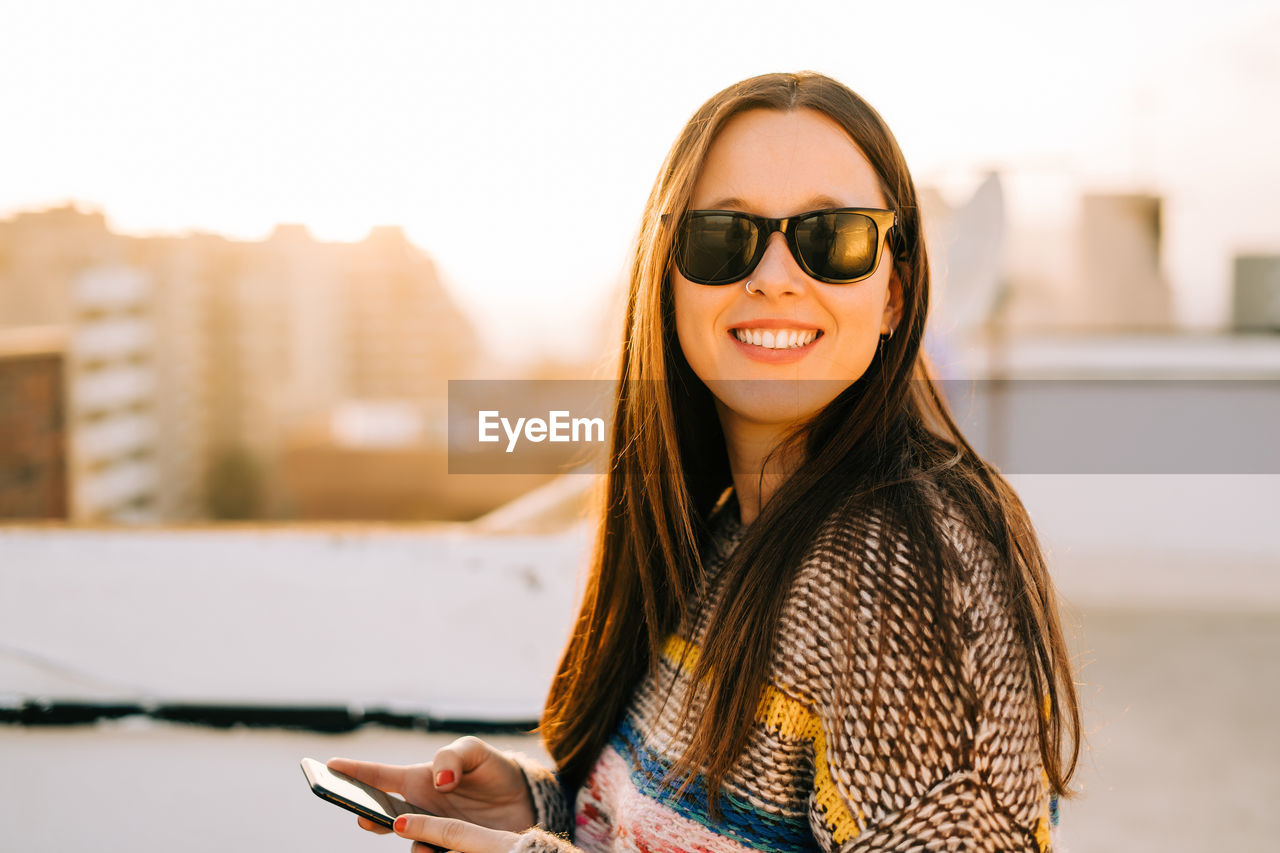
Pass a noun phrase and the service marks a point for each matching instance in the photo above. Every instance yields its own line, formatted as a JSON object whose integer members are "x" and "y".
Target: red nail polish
{"x": 445, "y": 777}
{"x": 401, "y": 823}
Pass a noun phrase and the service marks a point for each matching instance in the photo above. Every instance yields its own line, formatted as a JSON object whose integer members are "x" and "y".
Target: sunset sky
{"x": 516, "y": 142}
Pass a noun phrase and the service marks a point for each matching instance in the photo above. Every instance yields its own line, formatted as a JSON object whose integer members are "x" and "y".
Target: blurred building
{"x": 275, "y": 357}
{"x": 1097, "y": 271}
{"x": 186, "y": 273}
{"x": 112, "y": 392}
{"x": 1120, "y": 283}
{"x": 41, "y": 254}
{"x": 404, "y": 335}
{"x": 33, "y": 441}
{"x": 310, "y": 329}
{"x": 193, "y": 357}
{"x": 129, "y": 378}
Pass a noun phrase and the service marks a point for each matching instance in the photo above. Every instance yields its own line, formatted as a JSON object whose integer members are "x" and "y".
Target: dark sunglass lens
{"x": 716, "y": 248}
{"x": 839, "y": 246}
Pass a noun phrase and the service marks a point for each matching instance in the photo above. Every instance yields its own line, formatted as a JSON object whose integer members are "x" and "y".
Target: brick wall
{"x": 33, "y": 441}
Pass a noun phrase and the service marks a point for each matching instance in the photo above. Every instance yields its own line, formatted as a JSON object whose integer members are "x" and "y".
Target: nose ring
{"x": 749, "y": 290}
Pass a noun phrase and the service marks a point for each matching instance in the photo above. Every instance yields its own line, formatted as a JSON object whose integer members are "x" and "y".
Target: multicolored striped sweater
{"x": 808, "y": 777}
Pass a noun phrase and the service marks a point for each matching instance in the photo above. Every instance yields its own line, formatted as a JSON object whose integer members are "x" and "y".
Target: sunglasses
{"x": 837, "y": 246}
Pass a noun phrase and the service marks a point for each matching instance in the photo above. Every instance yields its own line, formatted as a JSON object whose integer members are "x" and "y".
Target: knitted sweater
{"x": 807, "y": 779}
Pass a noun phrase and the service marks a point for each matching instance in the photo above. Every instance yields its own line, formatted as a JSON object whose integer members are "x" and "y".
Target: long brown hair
{"x": 884, "y": 443}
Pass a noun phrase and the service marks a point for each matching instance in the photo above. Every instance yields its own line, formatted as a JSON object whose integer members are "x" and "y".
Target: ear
{"x": 893, "y": 302}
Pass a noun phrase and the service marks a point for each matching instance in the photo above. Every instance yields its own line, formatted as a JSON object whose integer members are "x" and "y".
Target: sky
{"x": 516, "y": 142}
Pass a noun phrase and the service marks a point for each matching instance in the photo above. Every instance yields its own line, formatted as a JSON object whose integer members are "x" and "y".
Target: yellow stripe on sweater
{"x": 1042, "y": 825}
{"x": 793, "y": 720}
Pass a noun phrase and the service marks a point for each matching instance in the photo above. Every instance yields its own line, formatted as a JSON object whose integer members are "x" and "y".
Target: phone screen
{"x": 364, "y": 800}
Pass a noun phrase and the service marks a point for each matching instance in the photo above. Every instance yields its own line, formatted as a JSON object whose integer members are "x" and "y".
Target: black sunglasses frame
{"x": 884, "y": 221}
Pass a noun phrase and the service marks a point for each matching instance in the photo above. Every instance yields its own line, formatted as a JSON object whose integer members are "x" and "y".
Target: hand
{"x": 467, "y": 780}
{"x": 453, "y": 835}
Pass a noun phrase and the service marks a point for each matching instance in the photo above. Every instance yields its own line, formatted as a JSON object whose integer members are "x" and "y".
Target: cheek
{"x": 858, "y": 316}
{"x": 696, "y": 310}
{"x": 859, "y": 313}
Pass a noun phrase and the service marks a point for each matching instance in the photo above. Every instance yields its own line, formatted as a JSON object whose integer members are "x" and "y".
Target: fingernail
{"x": 444, "y": 777}
{"x": 401, "y": 823}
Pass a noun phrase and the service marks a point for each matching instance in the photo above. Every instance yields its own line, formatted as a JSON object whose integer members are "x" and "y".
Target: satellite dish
{"x": 965, "y": 250}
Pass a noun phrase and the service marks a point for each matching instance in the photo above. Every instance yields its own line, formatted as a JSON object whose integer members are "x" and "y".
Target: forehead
{"x": 776, "y": 164}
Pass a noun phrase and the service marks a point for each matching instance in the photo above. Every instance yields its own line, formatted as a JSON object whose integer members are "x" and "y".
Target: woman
{"x": 815, "y": 619}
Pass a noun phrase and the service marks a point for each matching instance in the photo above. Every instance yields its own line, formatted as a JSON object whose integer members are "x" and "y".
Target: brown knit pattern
{"x": 952, "y": 760}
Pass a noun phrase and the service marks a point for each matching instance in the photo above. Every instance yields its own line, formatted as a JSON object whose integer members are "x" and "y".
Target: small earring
{"x": 884, "y": 338}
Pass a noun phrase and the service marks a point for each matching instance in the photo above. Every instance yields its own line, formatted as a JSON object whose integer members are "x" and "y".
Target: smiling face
{"x": 808, "y": 340}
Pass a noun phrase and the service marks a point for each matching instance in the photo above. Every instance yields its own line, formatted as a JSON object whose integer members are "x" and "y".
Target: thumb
{"x": 452, "y": 762}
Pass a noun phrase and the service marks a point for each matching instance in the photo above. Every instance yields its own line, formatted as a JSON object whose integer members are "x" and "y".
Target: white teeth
{"x": 776, "y": 338}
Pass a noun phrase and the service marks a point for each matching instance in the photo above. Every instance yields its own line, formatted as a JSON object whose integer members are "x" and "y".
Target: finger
{"x": 458, "y": 758}
{"x": 453, "y": 834}
{"x": 384, "y": 777}
{"x": 369, "y": 825}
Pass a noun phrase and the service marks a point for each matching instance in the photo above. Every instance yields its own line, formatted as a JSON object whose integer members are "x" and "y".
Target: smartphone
{"x": 365, "y": 800}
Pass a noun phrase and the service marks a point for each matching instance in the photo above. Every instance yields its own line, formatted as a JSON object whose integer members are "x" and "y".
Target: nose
{"x": 777, "y": 274}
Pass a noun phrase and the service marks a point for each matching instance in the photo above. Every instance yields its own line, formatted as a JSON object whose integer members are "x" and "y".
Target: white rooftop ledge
{"x": 1114, "y": 355}
{"x": 431, "y": 618}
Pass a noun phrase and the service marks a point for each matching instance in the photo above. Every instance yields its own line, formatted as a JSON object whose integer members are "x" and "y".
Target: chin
{"x": 776, "y": 401}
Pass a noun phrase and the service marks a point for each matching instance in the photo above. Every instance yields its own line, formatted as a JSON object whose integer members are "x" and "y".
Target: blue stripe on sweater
{"x": 744, "y": 823}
